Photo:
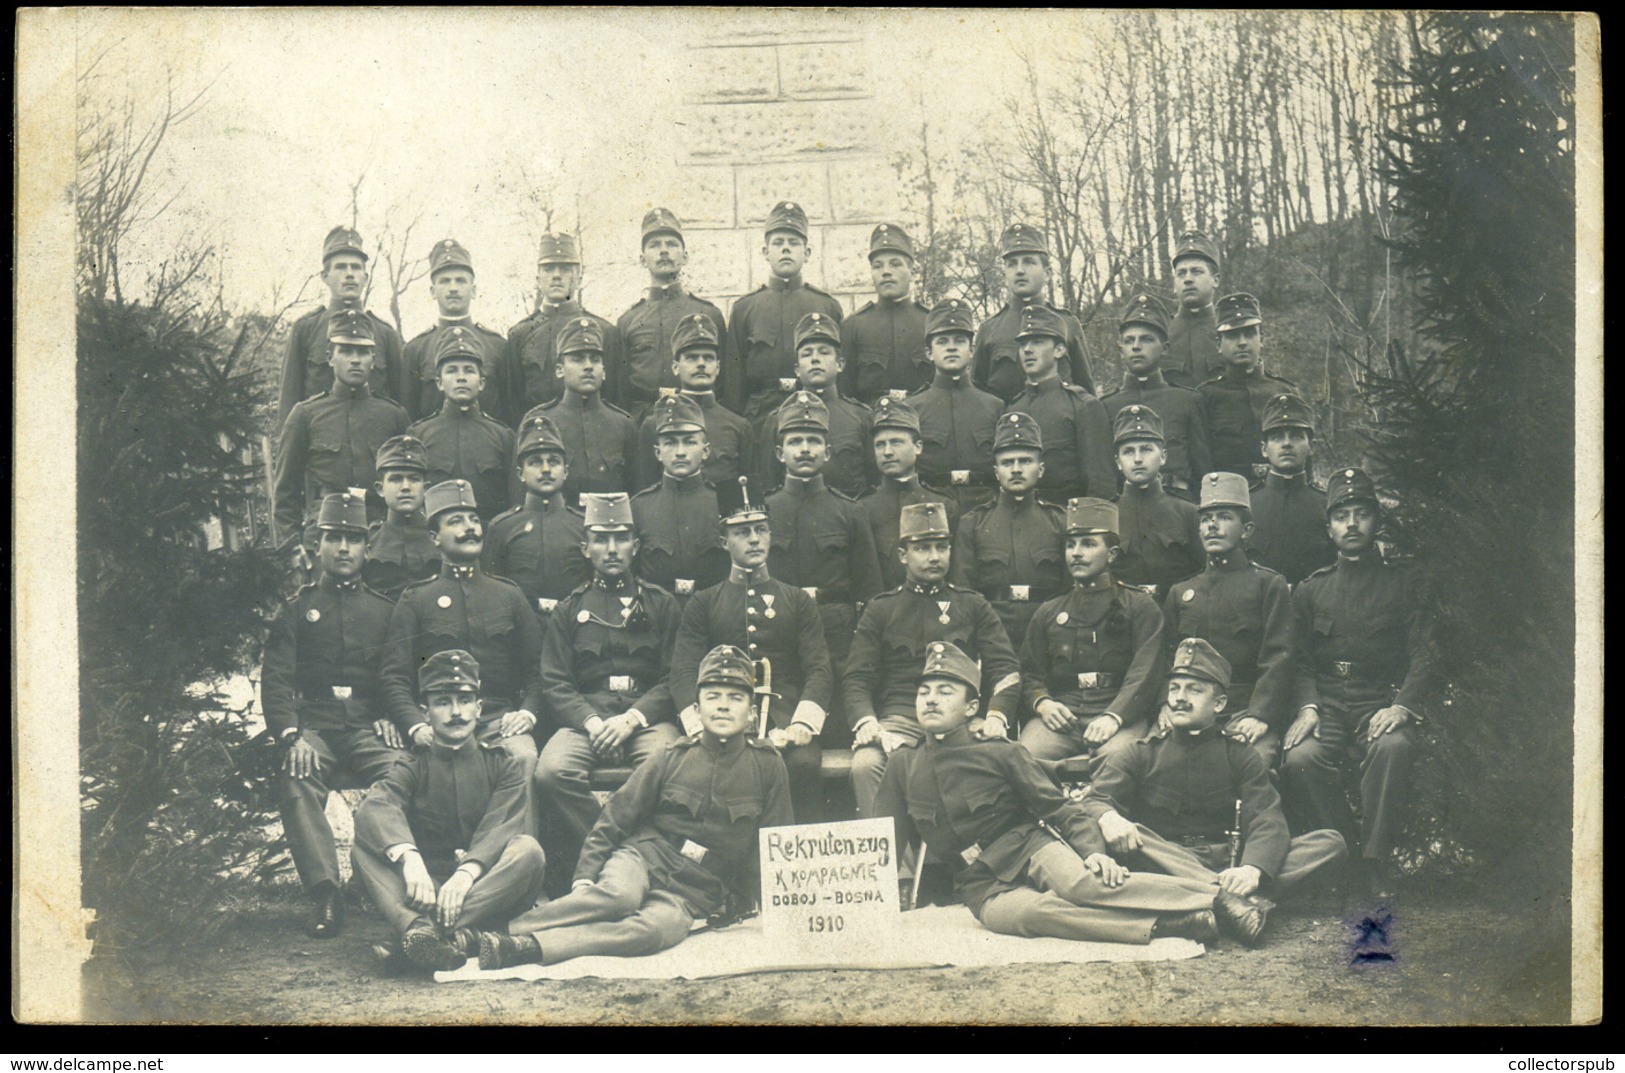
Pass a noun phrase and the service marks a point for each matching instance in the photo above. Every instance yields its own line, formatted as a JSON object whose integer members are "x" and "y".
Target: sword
{"x": 764, "y": 693}
{"x": 1235, "y": 837}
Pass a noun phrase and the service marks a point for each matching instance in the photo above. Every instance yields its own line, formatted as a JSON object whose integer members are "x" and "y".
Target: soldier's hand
{"x": 1247, "y": 729}
{"x": 303, "y": 761}
{"x": 891, "y": 741}
{"x": 1387, "y": 721}
{"x": 992, "y": 728}
{"x": 867, "y": 734}
{"x": 1056, "y": 716}
{"x": 419, "y": 885}
{"x": 449, "y": 906}
{"x": 1307, "y": 723}
{"x": 1121, "y": 836}
{"x": 1165, "y": 718}
{"x": 1100, "y": 730}
{"x": 1110, "y": 872}
{"x": 798, "y": 734}
{"x": 1242, "y": 880}
{"x": 515, "y": 723}
{"x": 422, "y": 736}
{"x": 388, "y": 733}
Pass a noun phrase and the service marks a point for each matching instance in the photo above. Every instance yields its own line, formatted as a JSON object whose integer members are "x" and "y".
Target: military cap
{"x": 696, "y": 329}
{"x": 893, "y": 413}
{"x": 726, "y": 665}
{"x": 1287, "y": 411}
{"x": 950, "y": 315}
{"x": 1238, "y": 311}
{"x": 1148, "y": 310}
{"x": 342, "y": 240}
{"x": 1022, "y": 238}
{"x": 677, "y": 413}
{"x": 817, "y": 326}
{"x": 923, "y": 521}
{"x": 538, "y": 433}
{"x": 1017, "y": 430}
{"x": 343, "y": 511}
{"x": 451, "y": 671}
{"x": 402, "y": 452}
{"x": 893, "y": 238}
{"x": 802, "y": 410}
{"x": 558, "y": 248}
{"x": 1090, "y": 515}
{"x": 1040, "y": 319}
{"x": 448, "y": 495}
{"x": 656, "y": 221}
{"x": 581, "y": 333}
{"x": 449, "y": 253}
{"x": 1196, "y": 244}
{"x": 787, "y": 216}
{"x": 1350, "y": 486}
{"x": 351, "y": 326}
{"x": 1137, "y": 422}
{"x": 1223, "y": 489}
{"x": 607, "y": 512}
{"x": 736, "y": 505}
{"x": 944, "y": 659}
{"x": 458, "y": 342}
{"x": 1195, "y": 658}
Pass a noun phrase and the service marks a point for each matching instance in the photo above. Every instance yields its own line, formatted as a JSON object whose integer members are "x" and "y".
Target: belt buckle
{"x": 685, "y": 586}
{"x": 620, "y": 683}
{"x": 787, "y": 383}
{"x": 970, "y": 854}
{"x": 1021, "y": 593}
{"x": 1343, "y": 667}
{"x": 959, "y": 476}
{"x": 1088, "y": 679}
{"x": 545, "y": 606}
{"x": 897, "y": 394}
{"x": 341, "y": 692}
{"x": 1151, "y": 589}
{"x": 810, "y": 590}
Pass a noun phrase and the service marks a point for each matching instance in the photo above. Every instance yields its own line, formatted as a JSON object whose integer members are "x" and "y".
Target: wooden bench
{"x": 837, "y": 764}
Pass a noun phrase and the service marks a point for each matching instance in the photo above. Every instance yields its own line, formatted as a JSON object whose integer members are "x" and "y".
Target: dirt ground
{"x": 1453, "y": 961}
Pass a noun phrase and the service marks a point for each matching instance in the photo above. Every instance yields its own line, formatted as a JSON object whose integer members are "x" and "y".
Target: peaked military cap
{"x": 891, "y": 237}
{"x": 449, "y": 253}
{"x": 1146, "y": 309}
{"x": 944, "y": 659}
{"x": 787, "y": 216}
{"x": 581, "y": 333}
{"x": 1196, "y": 244}
{"x": 1040, "y": 319}
{"x": 538, "y": 433}
{"x": 1287, "y": 411}
{"x": 458, "y": 342}
{"x": 677, "y": 413}
{"x": 1350, "y": 486}
{"x": 737, "y": 505}
{"x": 696, "y": 329}
{"x": 344, "y": 511}
{"x": 558, "y": 248}
{"x": 1137, "y": 422}
{"x": 817, "y": 326}
{"x": 893, "y": 413}
{"x": 607, "y": 512}
{"x": 451, "y": 671}
{"x": 1223, "y": 489}
{"x": 727, "y": 665}
{"x": 656, "y": 221}
{"x": 1195, "y": 658}
{"x": 448, "y": 495}
{"x": 923, "y": 521}
{"x": 1017, "y": 430}
{"x": 402, "y": 452}
{"x": 351, "y": 326}
{"x": 1022, "y": 238}
{"x": 342, "y": 240}
{"x": 1238, "y": 311}
{"x": 802, "y": 410}
{"x": 1090, "y": 515}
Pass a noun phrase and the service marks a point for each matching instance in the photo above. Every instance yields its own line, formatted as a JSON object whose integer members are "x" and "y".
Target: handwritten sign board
{"x": 830, "y": 885}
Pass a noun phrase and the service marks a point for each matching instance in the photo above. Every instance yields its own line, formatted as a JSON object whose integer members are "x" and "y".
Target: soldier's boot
{"x": 427, "y": 948}
{"x": 1199, "y": 925}
{"x": 1243, "y": 918}
{"x": 328, "y": 919}
{"x": 500, "y": 951}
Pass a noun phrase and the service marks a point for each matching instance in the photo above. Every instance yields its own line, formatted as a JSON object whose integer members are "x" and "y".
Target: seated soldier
{"x": 676, "y": 843}
{"x": 1188, "y": 801}
{"x": 537, "y": 545}
{"x": 1033, "y": 863}
{"x": 440, "y": 841}
{"x": 400, "y": 548}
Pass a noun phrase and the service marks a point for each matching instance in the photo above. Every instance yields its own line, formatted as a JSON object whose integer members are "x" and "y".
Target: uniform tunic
{"x": 996, "y": 360}
{"x": 461, "y": 443}
{"x": 822, "y": 543}
{"x": 328, "y": 445}
{"x": 645, "y": 333}
{"x": 305, "y": 368}
{"x": 500, "y": 390}
{"x": 1160, "y": 538}
{"x": 1189, "y": 456}
{"x": 612, "y": 661}
{"x": 679, "y": 544}
{"x": 1012, "y": 551}
{"x": 1095, "y": 649}
{"x": 851, "y": 465}
{"x": 883, "y": 346}
{"x": 956, "y": 430}
{"x": 1077, "y": 440}
{"x": 883, "y": 508}
{"x": 538, "y": 359}
{"x": 1233, "y": 407}
{"x": 538, "y": 547}
{"x": 726, "y": 433}
{"x": 1193, "y": 346}
{"x": 1289, "y": 526}
{"x": 398, "y": 555}
{"x": 1245, "y": 612}
{"x": 600, "y": 441}
{"x": 762, "y": 330}
{"x": 736, "y": 613}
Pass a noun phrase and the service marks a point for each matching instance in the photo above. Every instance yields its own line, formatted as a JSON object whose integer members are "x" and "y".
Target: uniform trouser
{"x": 508, "y": 887}
{"x": 805, "y": 765}
{"x": 522, "y": 747}
{"x": 839, "y": 621}
{"x": 1047, "y": 744}
{"x": 1071, "y": 902}
{"x": 1312, "y": 776}
{"x": 353, "y": 758}
{"x": 1306, "y": 854}
{"x": 869, "y": 763}
{"x": 564, "y": 795}
{"x": 618, "y": 915}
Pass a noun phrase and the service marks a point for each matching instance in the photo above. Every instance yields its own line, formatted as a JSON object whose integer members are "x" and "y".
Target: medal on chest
{"x": 626, "y": 607}
{"x": 770, "y": 613}
{"x": 1062, "y": 619}
{"x": 444, "y": 601}
{"x": 313, "y": 615}
{"x": 943, "y": 606}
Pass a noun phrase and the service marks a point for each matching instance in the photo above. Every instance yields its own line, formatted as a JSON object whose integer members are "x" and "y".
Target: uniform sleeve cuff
{"x": 811, "y": 714}
{"x": 641, "y": 719}
{"x": 399, "y": 850}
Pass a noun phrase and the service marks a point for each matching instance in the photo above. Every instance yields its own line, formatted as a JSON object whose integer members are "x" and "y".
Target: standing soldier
{"x": 322, "y": 701}
{"x": 451, "y": 283}
{"x": 818, "y": 364}
{"x": 537, "y": 545}
{"x": 1365, "y": 667}
{"x": 1077, "y": 436}
{"x": 678, "y": 547}
{"x": 1162, "y": 543}
{"x": 400, "y": 549}
{"x": 329, "y": 442}
{"x": 896, "y": 435}
{"x": 1233, "y": 402}
{"x": 1289, "y": 534}
{"x": 1010, "y": 550}
{"x": 648, "y": 331}
{"x": 1141, "y": 336}
{"x": 998, "y": 365}
{"x": 884, "y": 342}
{"x": 1193, "y": 346}
{"x": 599, "y": 437}
{"x": 558, "y": 277}
{"x": 761, "y": 367}
{"x": 696, "y": 347}
{"x": 957, "y": 418}
{"x": 461, "y": 442}
{"x": 306, "y": 368}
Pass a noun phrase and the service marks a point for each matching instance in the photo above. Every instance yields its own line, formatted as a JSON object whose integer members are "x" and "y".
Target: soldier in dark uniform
{"x": 1091, "y": 662}
{"x": 461, "y": 442}
{"x": 606, "y": 654}
{"x": 761, "y": 366}
{"x": 1077, "y": 436}
{"x": 677, "y": 843}
{"x": 1193, "y": 344}
{"x": 648, "y": 331}
{"x": 305, "y": 366}
{"x": 1233, "y": 402}
{"x": 322, "y": 701}
{"x": 884, "y": 342}
{"x": 895, "y": 429}
{"x": 890, "y": 645}
{"x": 998, "y": 366}
{"x": 1161, "y": 540}
{"x": 1365, "y": 669}
{"x": 818, "y": 364}
{"x": 678, "y": 548}
{"x": 451, "y": 283}
{"x": 777, "y": 626}
{"x": 1168, "y": 803}
{"x": 329, "y": 441}
{"x": 1289, "y": 531}
{"x": 1031, "y": 863}
{"x": 1141, "y": 336}
{"x": 956, "y": 417}
{"x": 558, "y": 275}
{"x": 537, "y": 545}
{"x": 400, "y": 548}
{"x": 697, "y": 359}
{"x": 1245, "y": 612}
{"x": 440, "y": 841}
{"x": 1010, "y": 550}
{"x": 599, "y": 437}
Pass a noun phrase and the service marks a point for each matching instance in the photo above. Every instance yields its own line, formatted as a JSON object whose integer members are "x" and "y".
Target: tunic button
{"x": 750, "y": 611}
{"x": 751, "y": 628}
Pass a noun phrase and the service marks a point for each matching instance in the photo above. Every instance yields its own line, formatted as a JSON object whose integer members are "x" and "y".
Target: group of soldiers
{"x": 542, "y": 560}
